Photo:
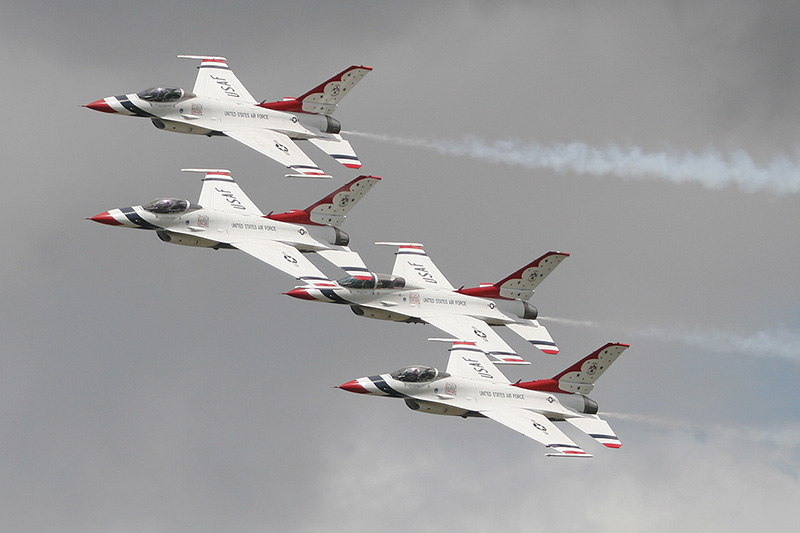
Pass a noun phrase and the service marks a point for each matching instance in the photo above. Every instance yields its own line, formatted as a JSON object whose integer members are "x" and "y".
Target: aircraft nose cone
{"x": 301, "y": 294}
{"x": 105, "y": 218}
{"x": 353, "y": 386}
{"x": 100, "y": 105}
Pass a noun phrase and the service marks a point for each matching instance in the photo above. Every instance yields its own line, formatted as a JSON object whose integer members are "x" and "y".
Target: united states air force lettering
{"x": 444, "y": 301}
{"x": 506, "y": 395}
{"x": 258, "y": 227}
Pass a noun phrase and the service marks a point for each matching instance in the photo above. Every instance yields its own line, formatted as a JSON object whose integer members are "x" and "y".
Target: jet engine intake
{"x": 323, "y": 123}
{"x": 187, "y": 240}
{"x": 435, "y": 408}
{"x": 180, "y": 127}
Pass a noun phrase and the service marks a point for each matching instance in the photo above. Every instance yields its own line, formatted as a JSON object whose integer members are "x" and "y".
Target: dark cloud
{"x": 148, "y": 387}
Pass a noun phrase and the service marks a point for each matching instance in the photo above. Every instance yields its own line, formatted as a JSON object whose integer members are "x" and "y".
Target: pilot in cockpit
{"x": 161, "y": 94}
{"x": 166, "y": 206}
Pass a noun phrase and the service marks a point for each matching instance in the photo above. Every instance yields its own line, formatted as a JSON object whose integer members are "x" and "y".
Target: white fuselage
{"x": 460, "y": 396}
{"x": 206, "y": 116}
{"x": 210, "y": 228}
{"x": 393, "y": 304}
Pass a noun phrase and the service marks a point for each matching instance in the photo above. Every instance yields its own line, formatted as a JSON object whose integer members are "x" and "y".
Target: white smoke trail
{"x": 711, "y": 169}
{"x": 786, "y": 434}
{"x": 781, "y": 343}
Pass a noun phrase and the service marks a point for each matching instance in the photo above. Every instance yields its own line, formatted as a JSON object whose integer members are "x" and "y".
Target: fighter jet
{"x": 473, "y": 386}
{"x": 418, "y": 292}
{"x": 220, "y": 105}
{"x": 225, "y": 217}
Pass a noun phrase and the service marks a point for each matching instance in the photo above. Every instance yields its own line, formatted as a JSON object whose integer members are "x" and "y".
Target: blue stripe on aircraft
{"x": 127, "y": 104}
{"x": 134, "y": 217}
{"x": 331, "y": 295}
{"x": 381, "y": 384}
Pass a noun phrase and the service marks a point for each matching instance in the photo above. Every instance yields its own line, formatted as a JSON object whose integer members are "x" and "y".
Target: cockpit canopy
{"x": 169, "y": 206}
{"x": 416, "y": 374}
{"x": 162, "y": 94}
{"x": 375, "y": 281}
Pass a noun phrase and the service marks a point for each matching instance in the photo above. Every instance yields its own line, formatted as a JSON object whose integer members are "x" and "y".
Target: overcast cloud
{"x": 146, "y": 387}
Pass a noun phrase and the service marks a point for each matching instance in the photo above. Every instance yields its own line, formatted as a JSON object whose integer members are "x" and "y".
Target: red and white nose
{"x": 125, "y": 217}
{"x": 304, "y": 294}
{"x": 354, "y": 386}
{"x": 106, "y": 218}
{"x": 101, "y": 105}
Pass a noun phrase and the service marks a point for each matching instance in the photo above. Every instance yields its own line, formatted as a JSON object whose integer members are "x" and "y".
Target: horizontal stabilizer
{"x": 598, "y": 429}
{"x": 337, "y": 148}
{"x": 536, "y": 334}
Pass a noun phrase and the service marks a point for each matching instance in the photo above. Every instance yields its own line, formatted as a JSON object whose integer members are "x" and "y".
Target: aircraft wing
{"x": 285, "y": 258}
{"x": 471, "y": 329}
{"x": 216, "y": 80}
{"x": 412, "y": 263}
{"x": 346, "y": 259}
{"x": 469, "y": 361}
{"x": 280, "y": 148}
{"x": 539, "y": 428}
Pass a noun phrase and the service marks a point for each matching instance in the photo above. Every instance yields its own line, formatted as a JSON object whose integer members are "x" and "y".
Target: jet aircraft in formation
{"x": 225, "y": 217}
{"x": 219, "y": 104}
{"x": 473, "y": 386}
{"x": 417, "y": 291}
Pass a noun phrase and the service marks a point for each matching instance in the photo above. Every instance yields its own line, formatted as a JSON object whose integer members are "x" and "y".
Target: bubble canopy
{"x": 169, "y": 206}
{"x": 415, "y": 374}
{"x": 162, "y": 94}
{"x": 375, "y": 281}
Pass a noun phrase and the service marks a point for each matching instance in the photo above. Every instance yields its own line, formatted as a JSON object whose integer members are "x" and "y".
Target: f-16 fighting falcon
{"x": 418, "y": 292}
{"x": 225, "y": 217}
{"x": 473, "y": 386}
{"x": 219, "y": 104}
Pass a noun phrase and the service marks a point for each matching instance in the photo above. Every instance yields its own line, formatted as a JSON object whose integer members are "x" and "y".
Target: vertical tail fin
{"x": 522, "y": 283}
{"x": 221, "y": 192}
{"x": 324, "y": 97}
{"x": 580, "y": 377}
{"x": 331, "y": 210}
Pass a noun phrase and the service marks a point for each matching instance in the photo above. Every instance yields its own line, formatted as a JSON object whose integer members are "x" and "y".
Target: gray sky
{"x": 149, "y": 388}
